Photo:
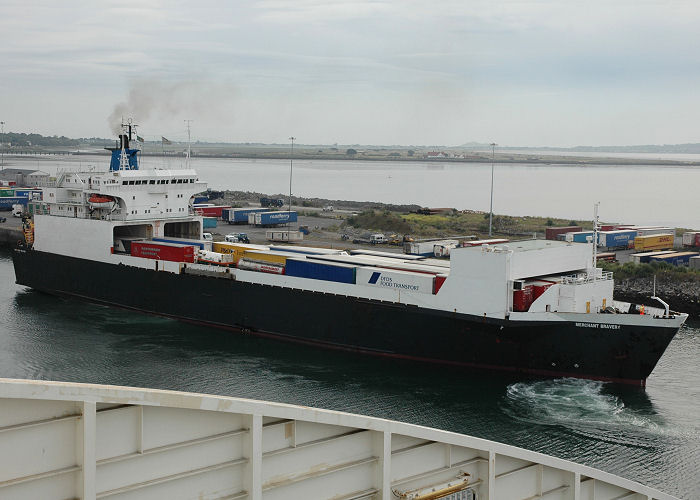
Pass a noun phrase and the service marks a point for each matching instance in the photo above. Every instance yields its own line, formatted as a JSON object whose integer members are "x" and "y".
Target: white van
{"x": 377, "y": 239}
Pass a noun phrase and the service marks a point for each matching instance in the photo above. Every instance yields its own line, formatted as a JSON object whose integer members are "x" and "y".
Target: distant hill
{"x": 22, "y": 139}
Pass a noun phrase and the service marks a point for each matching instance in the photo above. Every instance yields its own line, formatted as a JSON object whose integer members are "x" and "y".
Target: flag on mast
{"x": 165, "y": 141}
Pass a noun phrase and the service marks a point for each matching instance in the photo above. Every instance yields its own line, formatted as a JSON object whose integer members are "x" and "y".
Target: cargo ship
{"x": 131, "y": 238}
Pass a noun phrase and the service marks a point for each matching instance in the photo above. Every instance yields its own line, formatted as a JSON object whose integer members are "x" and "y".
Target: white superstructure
{"x": 65, "y": 440}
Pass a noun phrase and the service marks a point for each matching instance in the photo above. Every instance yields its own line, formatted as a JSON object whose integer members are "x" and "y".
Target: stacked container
{"x": 162, "y": 251}
{"x": 551, "y": 233}
{"x": 654, "y": 242}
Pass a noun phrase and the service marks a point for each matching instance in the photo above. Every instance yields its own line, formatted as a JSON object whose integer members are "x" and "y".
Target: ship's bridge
{"x": 123, "y": 194}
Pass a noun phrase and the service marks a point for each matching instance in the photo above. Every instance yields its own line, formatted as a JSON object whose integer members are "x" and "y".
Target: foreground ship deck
{"x": 65, "y": 440}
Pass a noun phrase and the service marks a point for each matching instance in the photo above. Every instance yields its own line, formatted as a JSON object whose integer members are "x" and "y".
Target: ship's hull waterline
{"x": 626, "y": 354}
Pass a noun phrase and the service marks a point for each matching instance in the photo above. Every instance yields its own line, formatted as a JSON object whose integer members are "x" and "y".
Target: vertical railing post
{"x": 88, "y": 435}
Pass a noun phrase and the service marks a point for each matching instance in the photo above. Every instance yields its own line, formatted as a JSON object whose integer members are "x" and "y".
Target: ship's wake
{"x": 586, "y": 408}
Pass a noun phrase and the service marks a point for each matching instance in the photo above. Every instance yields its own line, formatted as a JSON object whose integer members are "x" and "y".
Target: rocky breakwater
{"x": 681, "y": 295}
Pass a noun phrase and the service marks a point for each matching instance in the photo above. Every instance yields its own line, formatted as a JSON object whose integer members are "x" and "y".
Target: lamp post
{"x": 493, "y": 154}
{"x": 2, "y": 144}
{"x": 291, "y": 164}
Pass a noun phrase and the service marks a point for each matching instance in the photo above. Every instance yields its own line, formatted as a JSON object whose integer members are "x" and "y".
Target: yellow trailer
{"x": 654, "y": 242}
{"x": 237, "y": 249}
{"x": 268, "y": 257}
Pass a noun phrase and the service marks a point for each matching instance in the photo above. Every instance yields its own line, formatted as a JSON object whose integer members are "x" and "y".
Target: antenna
{"x": 493, "y": 157}
{"x": 189, "y": 143}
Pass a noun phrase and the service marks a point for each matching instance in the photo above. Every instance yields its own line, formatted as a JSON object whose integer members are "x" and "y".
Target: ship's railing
{"x": 105, "y": 441}
{"x": 582, "y": 278}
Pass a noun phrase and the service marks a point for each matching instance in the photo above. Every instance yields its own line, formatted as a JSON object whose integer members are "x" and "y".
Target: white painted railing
{"x": 65, "y": 440}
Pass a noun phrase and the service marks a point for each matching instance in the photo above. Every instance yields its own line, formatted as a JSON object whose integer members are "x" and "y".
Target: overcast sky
{"x": 520, "y": 73}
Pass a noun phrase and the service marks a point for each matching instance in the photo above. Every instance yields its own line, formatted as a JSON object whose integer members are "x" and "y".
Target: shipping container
{"x": 236, "y": 249}
{"x": 271, "y": 218}
{"x": 208, "y": 222}
{"x": 478, "y": 243}
{"x": 643, "y": 258}
{"x": 240, "y": 215}
{"x": 648, "y": 231}
{"x": 579, "y": 237}
{"x": 654, "y": 242}
{"x": 308, "y": 250}
{"x": 302, "y": 268}
{"x": 370, "y": 260}
{"x": 616, "y": 239}
{"x": 694, "y": 262}
{"x": 198, "y": 200}
{"x": 7, "y": 202}
{"x": 263, "y": 267}
{"x": 690, "y": 238}
{"x": 210, "y": 210}
{"x": 206, "y": 256}
{"x": 550, "y": 233}
{"x": 268, "y": 257}
{"x": 403, "y": 281}
{"x": 607, "y": 227}
{"x": 523, "y": 299}
{"x": 443, "y": 250}
{"x": 391, "y": 255}
{"x": 158, "y": 250}
{"x": 606, "y": 256}
{"x": 675, "y": 258}
{"x": 284, "y": 235}
{"x": 425, "y": 248}
{"x": 697, "y": 240}
{"x": 202, "y": 245}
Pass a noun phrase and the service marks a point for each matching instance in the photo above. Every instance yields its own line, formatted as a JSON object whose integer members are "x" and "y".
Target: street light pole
{"x": 291, "y": 164}
{"x": 2, "y": 143}
{"x": 493, "y": 154}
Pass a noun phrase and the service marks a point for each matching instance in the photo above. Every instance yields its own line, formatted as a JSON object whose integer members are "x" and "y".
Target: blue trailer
{"x": 181, "y": 241}
{"x": 579, "y": 236}
{"x": 208, "y": 222}
{"x": 676, "y": 258}
{"x": 302, "y": 268}
{"x": 6, "y": 202}
{"x": 271, "y": 218}
{"x": 200, "y": 199}
{"x": 239, "y": 215}
{"x": 616, "y": 239}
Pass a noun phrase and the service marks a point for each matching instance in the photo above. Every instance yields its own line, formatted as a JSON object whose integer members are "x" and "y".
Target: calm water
{"x": 652, "y": 435}
{"x": 645, "y": 195}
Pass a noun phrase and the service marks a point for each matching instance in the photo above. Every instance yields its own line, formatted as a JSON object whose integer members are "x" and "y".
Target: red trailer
{"x": 211, "y": 210}
{"x": 163, "y": 251}
{"x": 552, "y": 232}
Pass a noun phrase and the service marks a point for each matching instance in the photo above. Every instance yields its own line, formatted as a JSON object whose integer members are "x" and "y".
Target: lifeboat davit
{"x": 100, "y": 200}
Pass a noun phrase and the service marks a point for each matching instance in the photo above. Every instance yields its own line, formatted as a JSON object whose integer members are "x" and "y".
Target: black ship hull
{"x": 626, "y": 355}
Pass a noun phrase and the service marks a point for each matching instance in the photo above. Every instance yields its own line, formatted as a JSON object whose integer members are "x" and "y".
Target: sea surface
{"x": 649, "y": 435}
{"x": 631, "y": 194}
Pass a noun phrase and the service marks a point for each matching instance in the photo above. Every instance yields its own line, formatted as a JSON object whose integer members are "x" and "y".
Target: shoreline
{"x": 500, "y": 158}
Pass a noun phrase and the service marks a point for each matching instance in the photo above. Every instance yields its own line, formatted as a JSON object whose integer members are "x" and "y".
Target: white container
{"x": 284, "y": 235}
{"x": 443, "y": 250}
{"x": 216, "y": 257}
{"x": 249, "y": 265}
{"x": 689, "y": 238}
{"x": 379, "y": 277}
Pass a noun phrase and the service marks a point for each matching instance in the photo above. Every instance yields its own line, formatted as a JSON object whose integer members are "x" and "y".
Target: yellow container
{"x": 654, "y": 242}
{"x": 236, "y": 249}
{"x": 268, "y": 257}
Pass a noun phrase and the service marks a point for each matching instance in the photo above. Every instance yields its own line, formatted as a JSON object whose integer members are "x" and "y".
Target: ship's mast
{"x": 596, "y": 227}
{"x": 123, "y": 159}
{"x": 189, "y": 143}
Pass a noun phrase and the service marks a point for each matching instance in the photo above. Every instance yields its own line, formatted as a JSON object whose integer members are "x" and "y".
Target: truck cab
{"x": 377, "y": 239}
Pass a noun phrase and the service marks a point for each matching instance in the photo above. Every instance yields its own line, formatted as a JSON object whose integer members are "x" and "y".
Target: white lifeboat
{"x": 101, "y": 200}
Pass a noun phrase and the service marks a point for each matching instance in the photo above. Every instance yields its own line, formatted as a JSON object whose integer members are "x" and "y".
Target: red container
{"x": 539, "y": 289}
{"x": 607, "y": 227}
{"x": 697, "y": 240}
{"x": 214, "y": 211}
{"x": 522, "y": 299}
{"x": 551, "y": 233}
{"x": 162, "y": 251}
